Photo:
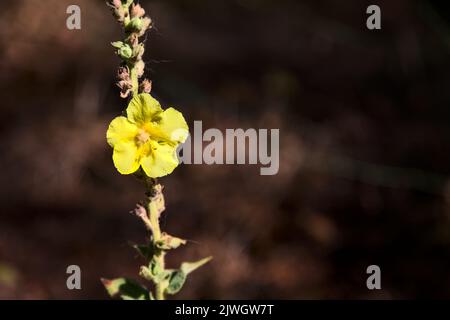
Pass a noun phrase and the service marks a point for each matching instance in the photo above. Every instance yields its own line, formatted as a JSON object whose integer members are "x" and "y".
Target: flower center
{"x": 142, "y": 137}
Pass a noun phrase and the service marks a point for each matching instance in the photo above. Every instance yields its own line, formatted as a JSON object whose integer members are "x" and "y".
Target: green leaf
{"x": 125, "y": 288}
{"x": 188, "y": 267}
{"x": 146, "y": 251}
{"x": 176, "y": 281}
{"x": 177, "y": 278}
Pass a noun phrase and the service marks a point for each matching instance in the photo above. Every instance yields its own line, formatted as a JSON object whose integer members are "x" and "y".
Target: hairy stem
{"x": 160, "y": 287}
{"x": 134, "y": 79}
{"x": 155, "y": 209}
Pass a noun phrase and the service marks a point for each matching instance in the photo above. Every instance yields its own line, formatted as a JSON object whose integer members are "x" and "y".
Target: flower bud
{"x": 117, "y": 9}
{"x": 125, "y": 52}
{"x": 137, "y": 11}
{"x": 117, "y": 44}
{"x": 146, "y": 24}
{"x": 135, "y": 25}
{"x": 116, "y": 3}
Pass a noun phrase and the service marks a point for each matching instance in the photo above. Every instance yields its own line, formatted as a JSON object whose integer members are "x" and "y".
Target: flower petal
{"x": 172, "y": 126}
{"x": 143, "y": 108}
{"x": 121, "y": 130}
{"x": 125, "y": 157}
{"x": 162, "y": 160}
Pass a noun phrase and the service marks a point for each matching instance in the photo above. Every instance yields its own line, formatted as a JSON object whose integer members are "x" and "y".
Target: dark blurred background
{"x": 364, "y": 148}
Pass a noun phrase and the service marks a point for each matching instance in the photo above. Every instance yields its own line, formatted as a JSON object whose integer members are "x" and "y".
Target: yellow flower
{"x": 148, "y": 136}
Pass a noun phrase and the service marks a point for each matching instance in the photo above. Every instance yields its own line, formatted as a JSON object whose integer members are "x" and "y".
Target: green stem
{"x": 126, "y": 7}
{"x": 134, "y": 79}
{"x": 154, "y": 220}
{"x": 154, "y": 213}
{"x": 160, "y": 287}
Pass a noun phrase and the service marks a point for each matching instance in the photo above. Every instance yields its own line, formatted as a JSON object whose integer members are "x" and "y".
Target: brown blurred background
{"x": 364, "y": 146}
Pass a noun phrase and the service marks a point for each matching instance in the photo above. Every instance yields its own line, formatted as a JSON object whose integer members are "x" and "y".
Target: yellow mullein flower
{"x": 148, "y": 136}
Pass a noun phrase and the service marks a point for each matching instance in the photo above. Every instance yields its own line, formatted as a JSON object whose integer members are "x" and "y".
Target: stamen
{"x": 142, "y": 137}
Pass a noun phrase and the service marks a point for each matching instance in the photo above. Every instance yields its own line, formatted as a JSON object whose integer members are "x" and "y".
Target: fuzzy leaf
{"x": 188, "y": 267}
{"x": 177, "y": 278}
{"x": 176, "y": 281}
{"x": 126, "y": 289}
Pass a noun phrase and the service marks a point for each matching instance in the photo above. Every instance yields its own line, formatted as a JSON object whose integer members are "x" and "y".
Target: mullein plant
{"x": 144, "y": 141}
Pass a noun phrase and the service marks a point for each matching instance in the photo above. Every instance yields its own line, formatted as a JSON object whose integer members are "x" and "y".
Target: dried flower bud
{"x": 124, "y": 84}
{"x": 138, "y": 51}
{"x": 137, "y": 11}
{"x": 116, "y": 3}
{"x": 168, "y": 242}
{"x": 124, "y": 93}
{"x": 142, "y": 213}
{"x": 123, "y": 73}
{"x": 133, "y": 40}
{"x": 145, "y": 86}
{"x": 117, "y": 9}
{"x": 125, "y": 87}
{"x": 146, "y": 24}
